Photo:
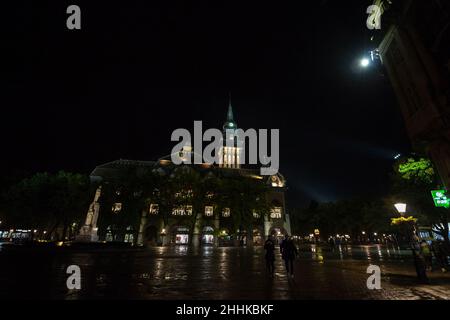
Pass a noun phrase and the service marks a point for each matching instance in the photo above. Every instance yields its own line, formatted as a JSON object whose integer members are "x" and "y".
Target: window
{"x": 275, "y": 213}
{"x": 109, "y": 235}
{"x": 209, "y": 211}
{"x": 117, "y": 207}
{"x": 129, "y": 237}
{"x": 154, "y": 208}
{"x": 276, "y": 182}
{"x": 256, "y": 215}
{"x": 182, "y": 210}
{"x": 184, "y": 194}
{"x": 226, "y": 212}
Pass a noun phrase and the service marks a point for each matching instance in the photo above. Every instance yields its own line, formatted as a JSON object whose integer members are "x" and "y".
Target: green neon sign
{"x": 440, "y": 198}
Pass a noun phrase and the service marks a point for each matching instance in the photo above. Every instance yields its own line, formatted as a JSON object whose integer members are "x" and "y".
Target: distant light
{"x": 363, "y": 232}
{"x": 375, "y": 234}
{"x": 401, "y": 207}
{"x": 364, "y": 62}
{"x": 397, "y": 156}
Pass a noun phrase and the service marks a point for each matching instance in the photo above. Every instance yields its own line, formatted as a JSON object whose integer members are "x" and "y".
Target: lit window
{"x": 276, "y": 182}
{"x": 117, "y": 207}
{"x": 209, "y": 211}
{"x": 129, "y": 238}
{"x": 109, "y": 235}
{"x": 178, "y": 211}
{"x": 275, "y": 213}
{"x": 154, "y": 208}
{"x": 256, "y": 214}
{"x": 182, "y": 210}
{"x": 226, "y": 212}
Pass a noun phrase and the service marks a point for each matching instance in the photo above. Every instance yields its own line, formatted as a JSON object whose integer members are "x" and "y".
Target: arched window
{"x": 209, "y": 211}
{"x": 129, "y": 235}
{"x": 226, "y": 212}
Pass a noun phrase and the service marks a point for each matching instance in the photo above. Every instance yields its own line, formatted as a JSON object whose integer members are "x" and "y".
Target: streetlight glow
{"x": 364, "y": 62}
{"x": 401, "y": 207}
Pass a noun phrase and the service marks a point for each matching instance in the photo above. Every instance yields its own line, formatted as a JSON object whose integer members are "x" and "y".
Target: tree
{"x": 342, "y": 217}
{"x": 412, "y": 180}
{"x": 48, "y": 201}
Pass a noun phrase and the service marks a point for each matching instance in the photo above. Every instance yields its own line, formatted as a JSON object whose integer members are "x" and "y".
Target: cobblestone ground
{"x": 217, "y": 273}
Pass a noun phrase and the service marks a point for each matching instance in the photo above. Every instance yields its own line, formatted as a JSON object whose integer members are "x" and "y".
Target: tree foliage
{"x": 412, "y": 180}
{"x": 47, "y": 201}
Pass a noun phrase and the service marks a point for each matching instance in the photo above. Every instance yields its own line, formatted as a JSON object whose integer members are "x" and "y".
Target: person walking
{"x": 419, "y": 262}
{"x": 426, "y": 253}
{"x": 440, "y": 254}
{"x": 269, "y": 246}
{"x": 288, "y": 253}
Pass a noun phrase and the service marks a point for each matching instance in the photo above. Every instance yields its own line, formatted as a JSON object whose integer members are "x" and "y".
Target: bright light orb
{"x": 401, "y": 207}
{"x": 364, "y": 62}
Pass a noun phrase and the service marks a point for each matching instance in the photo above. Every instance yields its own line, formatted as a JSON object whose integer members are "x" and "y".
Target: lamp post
{"x": 163, "y": 236}
{"x": 419, "y": 262}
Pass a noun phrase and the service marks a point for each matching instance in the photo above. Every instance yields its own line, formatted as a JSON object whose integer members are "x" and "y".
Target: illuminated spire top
{"x": 230, "y": 111}
{"x": 230, "y": 123}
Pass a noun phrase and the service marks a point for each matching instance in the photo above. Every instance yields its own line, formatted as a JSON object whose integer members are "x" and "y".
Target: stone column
{"x": 216, "y": 229}
{"x": 267, "y": 225}
{"x": 140, "y": 238}
{"x": 195, "y": 241}
{"x": 88, "y": 231}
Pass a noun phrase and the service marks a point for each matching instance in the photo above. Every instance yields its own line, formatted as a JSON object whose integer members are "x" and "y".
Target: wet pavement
{"x": 216, "y": 273}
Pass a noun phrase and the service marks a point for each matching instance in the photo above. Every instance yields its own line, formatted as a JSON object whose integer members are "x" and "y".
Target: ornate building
{"x": 415, "y": 51}
{"x": 183, "y": 215}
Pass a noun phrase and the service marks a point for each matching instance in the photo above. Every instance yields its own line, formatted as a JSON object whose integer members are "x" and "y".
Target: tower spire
{"x": 230, "y": 109}
{"x": 230, "y": 123}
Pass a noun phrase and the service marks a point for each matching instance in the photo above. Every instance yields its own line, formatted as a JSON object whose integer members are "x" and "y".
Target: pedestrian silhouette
{"x": 269, "y": 246}
{"x": 288, "y": 253}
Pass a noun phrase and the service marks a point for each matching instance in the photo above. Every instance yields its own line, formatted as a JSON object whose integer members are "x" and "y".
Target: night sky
{"x": 137, "y": 70}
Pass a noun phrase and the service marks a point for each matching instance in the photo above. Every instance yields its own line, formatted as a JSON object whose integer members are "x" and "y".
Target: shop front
{"x": 181, "y": 235}
{"x": 208, "y": 235}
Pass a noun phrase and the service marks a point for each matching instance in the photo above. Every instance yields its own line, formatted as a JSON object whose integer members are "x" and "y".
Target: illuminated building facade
{"x": 415, "y": 51}
{"x": 181, "y": 215}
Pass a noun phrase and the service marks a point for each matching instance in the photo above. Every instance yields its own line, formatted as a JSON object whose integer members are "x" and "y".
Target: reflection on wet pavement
{"x": 216, "y": 273}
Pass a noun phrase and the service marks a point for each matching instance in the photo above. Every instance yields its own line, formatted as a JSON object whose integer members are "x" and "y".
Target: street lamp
{"x": 364, "y": 62}
{"x": 418, "y": 263}
{"x": 401, "y": 208}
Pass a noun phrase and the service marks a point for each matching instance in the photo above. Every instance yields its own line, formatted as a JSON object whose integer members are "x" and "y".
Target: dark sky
{"x": 137, "y": 70}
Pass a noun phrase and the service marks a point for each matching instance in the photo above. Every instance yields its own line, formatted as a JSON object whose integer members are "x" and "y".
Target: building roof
{"x": 118, "y": 169}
